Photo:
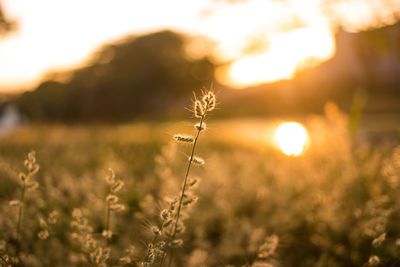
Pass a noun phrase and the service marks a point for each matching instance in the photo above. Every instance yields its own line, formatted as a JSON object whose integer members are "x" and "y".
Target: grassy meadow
{"x": 211, "y": 133}
{"x": 337, "y": 204}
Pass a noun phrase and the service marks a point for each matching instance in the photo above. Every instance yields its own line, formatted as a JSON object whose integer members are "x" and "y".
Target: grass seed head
{"x": 193, "y": 182}
{"x": 379, "y": 240}
{"x": 155, "y": 230}
{"x": 117, "y": 207}
{"x": 112, "y": 199}
{"x": 197, "y": 160}
{"x": 168, "y": 222}
{"x": 32, "y": 185}
{"x": 117, "y": 186}
{"x": 14, "y": 203}
{"x": 31, "y": 157}
{"x": 200, "y": 127}
{"x": 190, "y": 201}
{"x": 43, "y": 235}
{"x": 198, "y": 109}
{"x": 30, "y": 163}
{"x": 183, "y": 138}
{"x": 22, "y": 177}
{"x": 269, "y": 246}
{"x": 52, "y": 219}
{"x": 177, "y": 243}
{"x": 77, "y": 214}
{"x": 107, "y": 234}
{"x": 34, "y": 169}
{"x": 42, "y": 222}
{"x": 110, "y": 178}
{"x": 373, "y": 260}
{"x": 209, "y": 100}
{"x": 164, "y": 214}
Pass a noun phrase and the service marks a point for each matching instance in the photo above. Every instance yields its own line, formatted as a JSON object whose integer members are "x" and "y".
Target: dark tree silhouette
{"x": 139, "y": 76}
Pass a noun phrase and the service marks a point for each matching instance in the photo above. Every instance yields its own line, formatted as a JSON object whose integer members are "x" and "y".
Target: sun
{"x": 291, "y": 138}
{"x": 287, "y": 53}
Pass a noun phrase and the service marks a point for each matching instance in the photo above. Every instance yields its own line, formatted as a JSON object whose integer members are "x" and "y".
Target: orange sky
{"x": 62, "y": 34}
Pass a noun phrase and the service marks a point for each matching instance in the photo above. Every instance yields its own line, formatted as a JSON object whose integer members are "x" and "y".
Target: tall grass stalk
{"x": 27, "y": 183}
{"x": 4, "y": 260}
{"x": 112, "y": 201}
{"x": 20, "y": 210}
{"x": 200, "y": 110}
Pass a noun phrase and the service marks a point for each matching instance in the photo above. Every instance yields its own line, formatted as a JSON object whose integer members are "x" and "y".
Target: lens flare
{"x": 291, "y": 138}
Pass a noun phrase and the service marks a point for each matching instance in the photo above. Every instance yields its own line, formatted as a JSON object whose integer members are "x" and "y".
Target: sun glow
{"x": 294, "y": 34}
{"x": 291, "y": 138}
{"x": 287, "y": 53}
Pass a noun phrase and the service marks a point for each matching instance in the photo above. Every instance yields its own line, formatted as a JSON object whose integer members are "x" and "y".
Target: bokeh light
{"x": 291, "y": 138}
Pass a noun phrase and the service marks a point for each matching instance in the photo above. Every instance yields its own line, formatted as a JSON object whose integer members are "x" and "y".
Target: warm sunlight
{"x": 287, "y": 35}
{"x": 291, "y": 138}
{"x": 285, "y": 111}
{"x": 47, "y": 39}
{"x": 287, "y": 53}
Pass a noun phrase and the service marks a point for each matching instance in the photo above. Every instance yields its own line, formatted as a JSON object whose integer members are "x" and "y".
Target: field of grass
{"x": 338, "y": 204}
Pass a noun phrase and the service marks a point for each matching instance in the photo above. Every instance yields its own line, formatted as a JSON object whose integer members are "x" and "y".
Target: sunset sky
{"x": 55, "y": 35}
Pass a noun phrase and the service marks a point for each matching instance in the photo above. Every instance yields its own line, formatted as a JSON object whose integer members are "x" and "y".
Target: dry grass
{"x": 336, "y": 205}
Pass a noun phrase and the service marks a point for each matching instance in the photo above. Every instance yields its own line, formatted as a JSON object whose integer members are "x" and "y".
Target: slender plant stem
{"x": 156, "y": 236}
{"x": 186, "y": 178}
{"x": 108, "y": 211}
{"x": 184, "y": 187}
{"x": 4, "y": 260}
{"x": 108, "y": 217}
{"x": 21, "y": 205}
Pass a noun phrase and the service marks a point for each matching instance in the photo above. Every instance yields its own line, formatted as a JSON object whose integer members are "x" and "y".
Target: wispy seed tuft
{"x": 183, "y": 138}
{"x": 200, "y": 127}
{"x": 209, "y": 100}
{"x": 197, "y": 160}
{"x": 198, "y": 109}
{"x": 373, "y": 260}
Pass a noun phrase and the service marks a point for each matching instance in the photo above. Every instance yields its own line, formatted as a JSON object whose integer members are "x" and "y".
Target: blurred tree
{"x": 5, "y": 24}
{"x": 139, "y": 76}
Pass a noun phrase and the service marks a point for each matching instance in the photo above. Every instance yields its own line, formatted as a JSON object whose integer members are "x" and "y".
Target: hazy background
{"x": 303, "y": 145}
{"x": 104, "y": 61}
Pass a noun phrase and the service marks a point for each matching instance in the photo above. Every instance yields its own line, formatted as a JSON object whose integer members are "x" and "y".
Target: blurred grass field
{"x": 288, "y": 153}
{"x": 327, "y": 206}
